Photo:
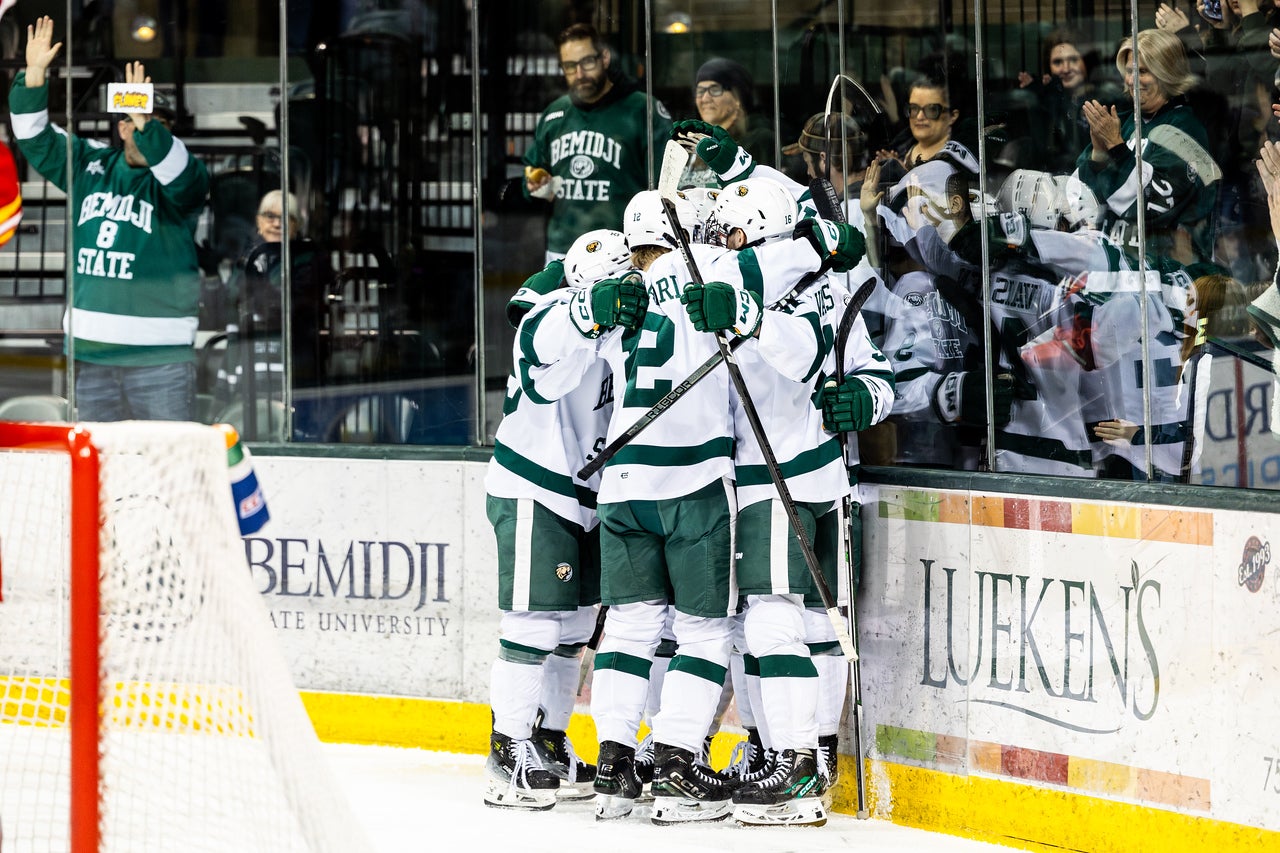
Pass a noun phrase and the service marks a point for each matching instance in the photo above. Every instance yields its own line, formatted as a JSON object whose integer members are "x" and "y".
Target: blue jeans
{"x": 158, "y": 392}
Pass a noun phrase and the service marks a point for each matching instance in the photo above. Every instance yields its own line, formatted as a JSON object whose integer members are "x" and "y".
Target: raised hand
{"x": 1170, "y": 19}
{"x": 690, "y": 132}
{"x": 839, "y": 245}
{"x": 41, "y": 50}
{"x": 135, "y": 73}
{"x": 1104, "y": 127}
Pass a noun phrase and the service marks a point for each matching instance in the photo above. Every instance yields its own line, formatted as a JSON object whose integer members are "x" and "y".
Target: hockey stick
{"x": 674, "y": 160}
{"x": 610, "y": 450}
{"x": 771, "y": 461}
{"x": 589, "y": 654}
{"x": 824, "y": 195}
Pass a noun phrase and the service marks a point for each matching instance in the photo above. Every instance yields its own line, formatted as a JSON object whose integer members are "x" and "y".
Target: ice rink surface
{"x": 411, "y": 799}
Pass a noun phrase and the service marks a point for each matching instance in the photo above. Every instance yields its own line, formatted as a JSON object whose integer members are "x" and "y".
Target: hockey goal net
{"x": 144, "y": 702}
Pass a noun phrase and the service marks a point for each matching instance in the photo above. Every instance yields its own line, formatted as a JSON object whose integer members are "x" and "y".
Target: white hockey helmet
{"x": 1035, "y": 195}
{"x": 703, "y": 199}
{"x": 1080, "y": 205}
{"x": 595, "y": 256}
{"x": 644, "y": 222}
{"x": 762, "y": 208}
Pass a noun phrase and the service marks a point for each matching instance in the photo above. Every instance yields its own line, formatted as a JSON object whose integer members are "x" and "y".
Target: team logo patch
{"x": 915, "y": 299}
{"x": 581, "y": 166}
{"x": 1253, "y": 563}
{"x": 564, "y": 572}
{"x": 593, "y": 246}
{"x": 742, "y": 191}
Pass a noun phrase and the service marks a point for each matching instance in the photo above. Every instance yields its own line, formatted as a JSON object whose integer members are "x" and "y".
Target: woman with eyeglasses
{"x": 724, "y": 94}
{"x": 255, "y": 291}
{"x": 930, "y": 119}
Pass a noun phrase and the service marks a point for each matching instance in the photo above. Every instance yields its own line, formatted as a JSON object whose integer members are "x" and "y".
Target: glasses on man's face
{"x": 931, "y": 111}
{"x": 587, "y": 64}
{"x": 714, "y": 90}
{"x": 271, "y": 216}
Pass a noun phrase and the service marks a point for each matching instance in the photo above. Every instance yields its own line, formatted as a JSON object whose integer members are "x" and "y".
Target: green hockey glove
{"x": 846, "y": 406}
{"x": 609, "y": 303}
{"x": 838, "y": 244}
{"x": 716, "y": 306}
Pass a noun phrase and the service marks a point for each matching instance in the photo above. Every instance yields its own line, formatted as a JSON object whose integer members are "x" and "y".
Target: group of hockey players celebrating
{"x": 682, "y": 534}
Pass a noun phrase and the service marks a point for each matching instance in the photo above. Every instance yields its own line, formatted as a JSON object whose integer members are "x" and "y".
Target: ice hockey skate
{"x": 750, "y": 761}
{"x": 684, "y": 791}
{"x": 828, "y": 759}
{"x": 516, "y": 778}
{"x": 790, "y": 796}
{"x": 555, "y": 750}
{"x": 616, "y": 785}
{"x": 644, "y": 769}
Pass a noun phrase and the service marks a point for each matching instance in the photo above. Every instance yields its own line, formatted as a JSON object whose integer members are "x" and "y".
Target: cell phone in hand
{"x": 1213, "y": 9}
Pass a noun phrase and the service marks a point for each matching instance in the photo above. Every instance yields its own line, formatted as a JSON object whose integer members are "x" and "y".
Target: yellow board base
{"x": 998, "y": 811}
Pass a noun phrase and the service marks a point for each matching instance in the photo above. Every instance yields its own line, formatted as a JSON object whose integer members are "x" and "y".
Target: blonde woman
{"x": 1179, "y": 179}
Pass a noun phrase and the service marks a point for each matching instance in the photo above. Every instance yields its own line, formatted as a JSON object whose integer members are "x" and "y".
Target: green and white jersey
{"x": 554, "y": 419}
{"x": 783, "y": 370}
{"x": 137, "y": 283}
{"x": 1037, "y": 317}
{"x": 924, "y": 337}
{"x": 808, "y": 210}
{"x": 602, "y": 153}
{"x": 1107, "y": 279}
{"x": 1178, "y": 181}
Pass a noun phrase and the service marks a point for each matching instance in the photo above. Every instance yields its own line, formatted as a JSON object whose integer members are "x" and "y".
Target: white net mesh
{"x": 205, "y": 744}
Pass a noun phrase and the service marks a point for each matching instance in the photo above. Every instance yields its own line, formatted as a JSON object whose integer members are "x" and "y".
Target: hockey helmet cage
{"x": 595, "y": 256}
{"x": 762, "y": 208}
{"x": 644, "y": 222}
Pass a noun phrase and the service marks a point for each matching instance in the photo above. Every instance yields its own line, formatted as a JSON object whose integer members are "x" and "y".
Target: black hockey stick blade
{"x": 825, "y": 200}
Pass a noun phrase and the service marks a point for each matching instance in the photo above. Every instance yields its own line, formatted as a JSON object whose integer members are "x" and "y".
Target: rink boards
{"x": 1081, "y": 673}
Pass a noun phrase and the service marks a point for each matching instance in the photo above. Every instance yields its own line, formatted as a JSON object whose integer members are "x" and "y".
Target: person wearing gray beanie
{"x": 724, "y": 94}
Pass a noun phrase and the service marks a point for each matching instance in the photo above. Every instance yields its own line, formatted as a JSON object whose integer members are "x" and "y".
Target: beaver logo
{"x": 742, "y": 190}
{"x": 593, "y": 246}
{"x": 564, "y": 572}
{"x": 1253, "y": 563}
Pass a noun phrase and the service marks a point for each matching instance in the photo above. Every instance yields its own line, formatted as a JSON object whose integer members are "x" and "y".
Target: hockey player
{"x": 784, "y": 369}
{"x": 666, "y": 511}
{"x": 934, "y": 346}
{"x": 546, "y": 528}
{"x": 1034, "y": 315}
{"x": 1109, "y": 300}
{"x": 716, "y": 146}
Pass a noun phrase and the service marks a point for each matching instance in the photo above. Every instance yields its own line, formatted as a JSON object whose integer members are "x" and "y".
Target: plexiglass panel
{"x": 1039, "y": 320}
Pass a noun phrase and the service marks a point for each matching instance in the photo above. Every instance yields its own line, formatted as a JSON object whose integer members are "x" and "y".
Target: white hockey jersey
{"x": 554, "y": 418}
{"x": 1108, "y": 279}
{"x": 1035, "y": 318}
{"x": 924, "y": 337}
{"x": 784, "y": 370}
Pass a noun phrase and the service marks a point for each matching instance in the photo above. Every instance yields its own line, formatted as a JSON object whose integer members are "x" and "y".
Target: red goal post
{"x": 144, "y": 701}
